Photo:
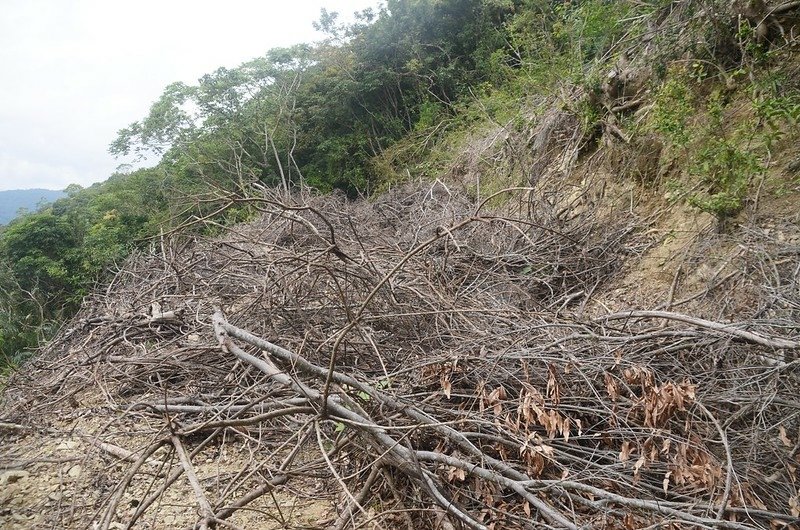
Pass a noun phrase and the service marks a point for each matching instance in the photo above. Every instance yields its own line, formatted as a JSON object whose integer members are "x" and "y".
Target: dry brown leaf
{"x": 666, "y": 481}
{"x": 496, "y": 398}
{"x": 689, "y": 390}
{"x": 553, "y": 389}
{"x": 545, "y": 449}
{"x": 456, "y": 474}
{"x": 625, "y": 453}
{"x": 638, "y": 465}
{"x": 629, "y": 522}
{"x": 666, "y": 445}
{"x": 554, "y": 425}
{"x": 630, "y": 375}
{"x": 446, "y": 384}
{"x": 480, "y": 390}
{"x": 611, "y": 387}
{"x": 535, "y": 462}
{"x": 783, "y": 436}
{"x": 529, "y": 408}
{"x": 653, "y": 452}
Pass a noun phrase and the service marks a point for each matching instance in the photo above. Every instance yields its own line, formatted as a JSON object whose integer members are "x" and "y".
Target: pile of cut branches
{"x": 431, "y": 363}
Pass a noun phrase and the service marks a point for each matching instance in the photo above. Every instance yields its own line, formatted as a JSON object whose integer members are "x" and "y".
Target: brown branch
{"x": 246, "y": 499}
{"x": 111, "y": 506}
{"x": 206, "y": 511}
{"x": 785, "y": 7}
{"x": 363, "y": 495}
{"x": 173, "y": 476}
{"x": 728, "y": 329}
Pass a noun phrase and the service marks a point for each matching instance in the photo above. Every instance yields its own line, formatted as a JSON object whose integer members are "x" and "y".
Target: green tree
{"x": 41, "y": 251}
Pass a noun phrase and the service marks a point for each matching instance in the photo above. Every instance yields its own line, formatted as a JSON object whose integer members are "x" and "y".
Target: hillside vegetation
{"x": 464, "y": 264}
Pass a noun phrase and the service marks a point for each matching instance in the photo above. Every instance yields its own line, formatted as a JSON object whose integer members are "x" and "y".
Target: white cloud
{"x": 31, "y": 174}
{"x": 77, "y": 71}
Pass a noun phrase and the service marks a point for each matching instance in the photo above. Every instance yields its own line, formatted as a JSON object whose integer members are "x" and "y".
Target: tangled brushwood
{"x": 426, "y": 361}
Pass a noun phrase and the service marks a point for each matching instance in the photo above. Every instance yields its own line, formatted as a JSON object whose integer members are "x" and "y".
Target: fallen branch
{"x": 13, "y": 427}
{"x": 246, "y": 499}
{"x": 205, "y": 507}
{"x": 124, "y": 454}
{"x": 171, "y": 478}
{"x": 111, "y": 506}
{"x": 394, "y": 454}
{"x": 728, "y": 329}
{"x": 366, "y": 491}
{"x": 392, "y": 447}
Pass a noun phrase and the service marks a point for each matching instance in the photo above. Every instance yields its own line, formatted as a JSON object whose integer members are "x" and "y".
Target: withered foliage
{"x": 437, "y": 363}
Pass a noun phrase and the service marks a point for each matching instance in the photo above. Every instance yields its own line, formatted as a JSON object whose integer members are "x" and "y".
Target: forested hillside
{"x": 462, "y": 264}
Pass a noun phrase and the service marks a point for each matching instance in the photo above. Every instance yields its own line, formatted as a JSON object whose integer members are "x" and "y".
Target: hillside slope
{"x": 572, "y": 388}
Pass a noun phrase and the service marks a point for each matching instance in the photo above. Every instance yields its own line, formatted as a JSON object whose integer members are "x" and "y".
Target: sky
{"x": 74, "y": 72}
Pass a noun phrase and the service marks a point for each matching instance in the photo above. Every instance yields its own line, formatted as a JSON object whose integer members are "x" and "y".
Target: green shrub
{"x": 674, "y": 106}
{"x": 726, "y": 170}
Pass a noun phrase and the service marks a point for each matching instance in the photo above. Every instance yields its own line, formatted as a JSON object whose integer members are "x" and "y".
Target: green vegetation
{"x": 50, "y": 259}
{"x": 398, "y": 92}
{"x": 724, "y": 137}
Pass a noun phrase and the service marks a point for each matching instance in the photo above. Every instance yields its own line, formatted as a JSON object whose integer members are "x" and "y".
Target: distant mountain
{"x": 12, "y": 200}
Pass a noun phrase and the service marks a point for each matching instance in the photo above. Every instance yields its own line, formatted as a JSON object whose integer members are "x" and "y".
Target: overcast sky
{"x": 74, "y": 72}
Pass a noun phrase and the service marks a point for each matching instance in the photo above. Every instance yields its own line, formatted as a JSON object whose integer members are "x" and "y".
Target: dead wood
{"x": 430, "y": 359}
